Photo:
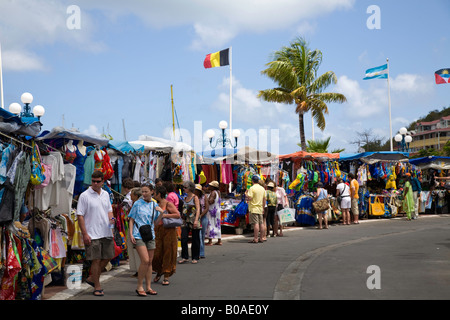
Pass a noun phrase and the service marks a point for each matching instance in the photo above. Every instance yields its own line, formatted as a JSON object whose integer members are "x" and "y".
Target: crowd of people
{"x": 153, "y": 247}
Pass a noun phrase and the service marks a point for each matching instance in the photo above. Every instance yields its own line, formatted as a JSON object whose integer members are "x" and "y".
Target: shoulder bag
{"x": 321, "y": 205}
{"x": 146, "y": 230}
{"x": 172, "y": 222}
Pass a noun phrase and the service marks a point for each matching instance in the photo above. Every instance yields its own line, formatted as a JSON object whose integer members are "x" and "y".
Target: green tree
{"x": 320, "y": 146}
{"x": 294, "y": 69}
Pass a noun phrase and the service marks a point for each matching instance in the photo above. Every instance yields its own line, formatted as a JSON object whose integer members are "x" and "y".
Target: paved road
{"x": 412, "y": 260}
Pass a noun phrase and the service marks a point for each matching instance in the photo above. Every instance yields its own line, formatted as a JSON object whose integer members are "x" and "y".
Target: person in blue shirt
{"x": 417, "y": 189}
{"x": 145, "y": 211}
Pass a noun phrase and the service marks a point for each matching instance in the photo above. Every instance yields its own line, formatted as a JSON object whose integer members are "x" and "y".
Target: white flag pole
{"x": 231, "y": 92}
{"x": 389, "y": 100}
{"x": 1, "y": 79}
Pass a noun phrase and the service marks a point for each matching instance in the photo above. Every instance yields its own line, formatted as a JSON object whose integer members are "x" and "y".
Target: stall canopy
{"x": 125, "y": 146}
{"x": 309, "y": 156}
{"x": 59, "y": 133}
{"x": 11, "y": 123}
{"x": 160, "y": 144}
{"x": 374, "y": 157}
{"x": 432, "y": 162}
{"x": 217, "y": 155}
{"x": 253, "y": 156}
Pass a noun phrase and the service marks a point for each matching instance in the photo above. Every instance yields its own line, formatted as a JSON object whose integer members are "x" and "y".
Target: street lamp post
{"x": 403, "y": 138}
{"x": 26, "y": 98}
{"x": 224, "y": 140}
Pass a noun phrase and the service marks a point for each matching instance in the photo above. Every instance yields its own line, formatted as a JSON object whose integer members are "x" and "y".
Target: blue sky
{"x": 125, "y": 55}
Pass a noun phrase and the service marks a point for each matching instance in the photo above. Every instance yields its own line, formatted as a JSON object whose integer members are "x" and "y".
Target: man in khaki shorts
{"x": 256, "y": 197}
{"x": 95, "y": 216}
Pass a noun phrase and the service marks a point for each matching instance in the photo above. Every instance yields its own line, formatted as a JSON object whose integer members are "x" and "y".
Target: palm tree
{"x": 320, "y": 146}
{"x": 294, "y": 69}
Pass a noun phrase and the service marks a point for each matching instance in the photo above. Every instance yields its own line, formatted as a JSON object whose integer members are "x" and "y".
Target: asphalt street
{"x": 379, "y": 259}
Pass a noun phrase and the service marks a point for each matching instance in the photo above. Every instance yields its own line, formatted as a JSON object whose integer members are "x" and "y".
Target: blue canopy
{"x": 216, "y": 155}
{"x": 375, "y": 156}
{"x": 9, "y": 122}
{"x": 125, "y": 146}
{"x": 59, "y": 133}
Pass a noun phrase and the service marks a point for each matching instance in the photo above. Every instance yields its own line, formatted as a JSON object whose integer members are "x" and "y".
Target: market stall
{"x": 435, "y": 195}
{"x": 299, "y": 172}
{"x": 380, "y": 176}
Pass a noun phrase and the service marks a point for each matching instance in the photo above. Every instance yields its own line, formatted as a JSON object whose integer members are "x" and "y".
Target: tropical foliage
{"x": 295, "y": 70}
{"x": 320, "y": 146}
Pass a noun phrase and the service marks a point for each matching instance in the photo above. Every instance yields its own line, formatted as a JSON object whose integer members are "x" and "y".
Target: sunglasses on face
{"x": 97, "y": 181}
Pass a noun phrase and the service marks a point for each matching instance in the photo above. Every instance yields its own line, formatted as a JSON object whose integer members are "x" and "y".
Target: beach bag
{"x": 321, "y": 205}
{"x": 286, "y": 215}
{"x": 48, "y": 174}
{"x": 242, "y": 208}
{"x": 37, "y": 169}
{"x": 377, "y": 208}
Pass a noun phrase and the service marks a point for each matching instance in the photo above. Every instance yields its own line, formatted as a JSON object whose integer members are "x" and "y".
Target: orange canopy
{"x": 306, "y": 155}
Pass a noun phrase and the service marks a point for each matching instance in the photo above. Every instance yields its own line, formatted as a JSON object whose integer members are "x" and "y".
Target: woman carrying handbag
{"x": 165, "y": 258}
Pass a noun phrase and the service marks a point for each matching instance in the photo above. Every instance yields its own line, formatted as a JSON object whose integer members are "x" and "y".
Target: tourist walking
{"x": 204, "y": 204}
{"x": 144, "y": 213}
{"x": 408, "y": 197}
{"x": 321, "y": 193}
{"x": 95, "y": 217}
{"x": 282, "y": 202}
{"x": 417, "y": 189}
{"x": 133, "y": 256}
{"x": 256, "y": 197}
{"x": 343, "y": 190}
{"x": 165, "y": 257}
{"x": 191, "y": 224}
{"x": 214, "y": 230}
{"x": 272, "y": 202}
{"x": 354, "y": 189}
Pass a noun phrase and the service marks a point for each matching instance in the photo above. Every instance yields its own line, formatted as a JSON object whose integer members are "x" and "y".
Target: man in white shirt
{"x": 95, "y": 216}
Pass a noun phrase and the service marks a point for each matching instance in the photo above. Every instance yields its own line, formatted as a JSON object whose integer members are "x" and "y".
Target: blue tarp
{"x": 9, "y": 122}
{"x": 380, "y": 155}
{"x": 424, "y": 160}
{"x": 59, "y": 133}
{"x": 125, "y": 146}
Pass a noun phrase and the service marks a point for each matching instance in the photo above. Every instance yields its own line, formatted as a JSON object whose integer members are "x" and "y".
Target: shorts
{"x": 256, "y": 218}
{"x": 151, "y": 245}
{"x": 346, "y": 203}
{"x": 355, "y": 209}
{"x": 100, "y": 249}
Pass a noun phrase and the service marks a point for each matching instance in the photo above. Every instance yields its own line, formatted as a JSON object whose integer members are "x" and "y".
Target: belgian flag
{"x": 442, "y": 76}
{"x": 217, "y": 59}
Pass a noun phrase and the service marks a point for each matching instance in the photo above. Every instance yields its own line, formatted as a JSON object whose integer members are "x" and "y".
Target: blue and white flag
{"x": 380, "y": 72}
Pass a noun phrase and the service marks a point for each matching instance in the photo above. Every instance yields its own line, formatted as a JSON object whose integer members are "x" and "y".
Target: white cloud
{"x": 17, "y": 60}
{"x": 92, "y": 130}
{"x": 361, "y": 103}
{"x": 411, "y": 83}
{"x": 27, "y": 24}
{"x": 222, "y": 19}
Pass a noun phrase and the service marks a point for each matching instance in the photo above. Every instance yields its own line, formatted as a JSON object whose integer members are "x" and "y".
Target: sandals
{"x": 183, "y": 261}
{"x": 98, "y": 293}
{"x": 165, "y": 282}
{"x": 141, "y": 293}
{"x": 151, "y": 292}
{"x": 253, "y": 241}
{"x": 156, "y": 278}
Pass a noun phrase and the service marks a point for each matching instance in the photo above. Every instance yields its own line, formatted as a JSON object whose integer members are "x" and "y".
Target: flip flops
{"x": 151, "y": 292}
{"x": 165, "y": 282}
